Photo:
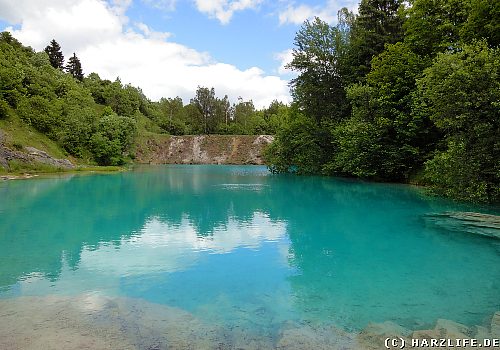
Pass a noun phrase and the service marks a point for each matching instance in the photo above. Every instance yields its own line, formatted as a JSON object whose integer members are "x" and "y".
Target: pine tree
{"x": 55, "y": 54}
{"x": 379, "y": 22}
{"x": 74, "y": 67}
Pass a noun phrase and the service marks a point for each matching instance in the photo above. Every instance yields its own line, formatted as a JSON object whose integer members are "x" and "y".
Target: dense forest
{"x": 99, "y": 120}
{"x": 404, "y": 91}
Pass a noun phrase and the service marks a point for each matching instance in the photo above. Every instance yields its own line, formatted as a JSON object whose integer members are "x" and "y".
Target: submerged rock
{"x": 93, "y": 321}
{"x": 469, "y": 222}
{"x": 495, "y": 325}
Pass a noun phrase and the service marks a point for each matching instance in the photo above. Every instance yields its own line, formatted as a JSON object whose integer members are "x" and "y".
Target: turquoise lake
{"x": 241, "y": 249}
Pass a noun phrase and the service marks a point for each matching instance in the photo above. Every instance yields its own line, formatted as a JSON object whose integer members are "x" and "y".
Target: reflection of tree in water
{"x": 63, "y": 215}
{"x": 332, "y": 225}
{"x": 57, "y": 216}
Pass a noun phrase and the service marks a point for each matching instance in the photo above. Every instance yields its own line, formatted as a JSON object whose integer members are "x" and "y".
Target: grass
{"x": 19, "y": 135}
{"x": 19, "y": 168}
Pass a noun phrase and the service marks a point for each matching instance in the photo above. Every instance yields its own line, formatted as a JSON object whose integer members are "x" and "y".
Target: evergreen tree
{"x": 55, "y": 54}
{"x": 378, "y": 23}
{"x": 74, "y": 67}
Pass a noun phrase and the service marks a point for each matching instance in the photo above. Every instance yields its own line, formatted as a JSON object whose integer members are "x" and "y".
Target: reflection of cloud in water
{"x": 162, "y": 247}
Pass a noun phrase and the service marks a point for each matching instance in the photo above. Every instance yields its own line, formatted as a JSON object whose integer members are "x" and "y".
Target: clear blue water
{"x": 237, "y": 246}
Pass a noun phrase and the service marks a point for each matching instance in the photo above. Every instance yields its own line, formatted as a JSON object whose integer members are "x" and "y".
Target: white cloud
{"x": 223, "y": 10}
{"x": 96, "y": 31}
{"x": 297, "y": 14}
{"x": 166, "y": 5}
{"x": 284, "y": 57}
{"x": 150, "y": 33}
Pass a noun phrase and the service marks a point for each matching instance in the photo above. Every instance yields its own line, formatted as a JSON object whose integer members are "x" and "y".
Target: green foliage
{"x": 483, "y": 22}
{"x": 384, "y": 139}
{"x": 298, "y": 147}
{"x": 4, "y": 109}
{"x": 459, "y": 172}
{"x": 113, "y": 137}
{"x": 434, "y": 26}
{"x": 317, "y": 56}
{"x": 58, "y": 106}
{"x": 461, "y": 92}
{"x": 123, "y": 99}
{"x": 378, "y": 23}
{"x": 40, "y": 112}
{"x": 205, "y": 103}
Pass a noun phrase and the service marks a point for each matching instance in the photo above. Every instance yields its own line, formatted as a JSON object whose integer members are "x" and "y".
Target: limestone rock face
{"x": 204, "y": 149}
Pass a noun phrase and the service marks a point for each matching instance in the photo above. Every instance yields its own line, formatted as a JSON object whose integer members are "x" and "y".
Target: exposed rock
{"x": 204, "y": 149}
{"x": 42, "y": 157}
{"x": 31, "y": 155}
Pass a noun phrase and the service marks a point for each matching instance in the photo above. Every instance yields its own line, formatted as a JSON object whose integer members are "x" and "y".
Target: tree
{"x": 243, "y": 112}
{"x": 483, "y": 22}
{"x": 385, "y": 138}
{"x": 378, "y": 23}
{"x": 206, "y": 104}
{"x": 55, "y": 55}
{"x": 434, "y": 26}
{"x": 297, "y": 147}
{"x": 112, "y": 139}
{"x": 171, "y": 115}
{"x": 461, "y": 94}
{"x": 317, "y": 56}
{"x": 74, "y": 67}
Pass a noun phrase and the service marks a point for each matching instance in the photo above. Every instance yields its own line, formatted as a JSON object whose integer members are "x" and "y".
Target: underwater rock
{"x": 495, "y": 325}
{"x": 321, "y": 338}
{"x": 374, "y": 335}
{"x": 450, "y": 329}
{"x": 469, "y": 222}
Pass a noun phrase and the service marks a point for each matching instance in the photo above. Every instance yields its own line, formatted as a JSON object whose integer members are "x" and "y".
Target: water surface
{"x": 240, "y": 249}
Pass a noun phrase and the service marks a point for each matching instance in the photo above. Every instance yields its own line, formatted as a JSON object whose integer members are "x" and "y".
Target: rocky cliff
{"x": 204, "y": 149}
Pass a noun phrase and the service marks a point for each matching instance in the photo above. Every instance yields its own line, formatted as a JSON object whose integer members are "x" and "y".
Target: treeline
{"x": 99, "y": 120}
{"x": 406, "y": 92}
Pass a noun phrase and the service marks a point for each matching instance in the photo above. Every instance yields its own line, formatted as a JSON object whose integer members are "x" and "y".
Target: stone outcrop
{"x": 29, "y": 155}
{"x": 204, "y": 149}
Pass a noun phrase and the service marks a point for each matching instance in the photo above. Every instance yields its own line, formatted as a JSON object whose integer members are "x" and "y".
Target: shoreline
{"x": 96, "y": 321}
{"x": 25, "y": 175}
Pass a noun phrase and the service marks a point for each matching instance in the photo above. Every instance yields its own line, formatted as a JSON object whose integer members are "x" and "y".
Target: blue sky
{"x": 169, "y": 47}
{"x": 251, "y": 38}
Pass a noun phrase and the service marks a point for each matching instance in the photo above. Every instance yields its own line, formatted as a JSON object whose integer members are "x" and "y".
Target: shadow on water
{"x": 238, "y": 246}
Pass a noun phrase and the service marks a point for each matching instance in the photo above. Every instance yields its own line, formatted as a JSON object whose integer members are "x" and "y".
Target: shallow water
{"x": 240, "y": 251}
